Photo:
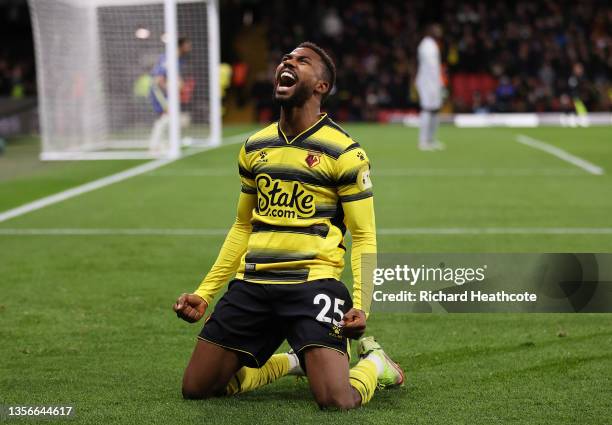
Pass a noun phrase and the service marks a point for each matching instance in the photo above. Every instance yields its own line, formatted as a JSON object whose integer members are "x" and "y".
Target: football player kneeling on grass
{"x": 305, "y": 181}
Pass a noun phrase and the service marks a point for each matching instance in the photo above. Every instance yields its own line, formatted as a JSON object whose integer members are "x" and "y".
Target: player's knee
{"x": 330, "y": 400}
{"x": 198, "y": 393}
{"x": 190, "y": 393}
{"x": 195, "y": 390}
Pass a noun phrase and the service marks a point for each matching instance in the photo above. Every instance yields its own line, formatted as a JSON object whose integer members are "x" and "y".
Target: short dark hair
{"x": 330, "y": 67}
{"x": 183, "y": 40}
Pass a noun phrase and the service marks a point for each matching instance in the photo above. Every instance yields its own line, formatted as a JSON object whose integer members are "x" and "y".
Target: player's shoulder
{"x": 333, "y": 137}
{"x": 266, "y": 134}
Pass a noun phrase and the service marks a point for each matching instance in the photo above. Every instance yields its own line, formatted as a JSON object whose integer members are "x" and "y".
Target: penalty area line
{"x": 561, "y": 154}
{"x": 381, "y": 232}
{"x": 108, "y": 180}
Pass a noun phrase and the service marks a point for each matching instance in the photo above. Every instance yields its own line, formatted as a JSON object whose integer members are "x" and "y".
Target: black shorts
{"x": 254, "y": 319}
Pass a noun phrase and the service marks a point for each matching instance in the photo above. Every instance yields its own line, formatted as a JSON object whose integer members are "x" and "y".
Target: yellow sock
{"x": 247, "y": 379}
{"x": 363, "y": 377}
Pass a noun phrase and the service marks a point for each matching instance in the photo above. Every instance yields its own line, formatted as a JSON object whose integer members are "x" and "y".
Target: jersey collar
{"x": 304, "y": 134}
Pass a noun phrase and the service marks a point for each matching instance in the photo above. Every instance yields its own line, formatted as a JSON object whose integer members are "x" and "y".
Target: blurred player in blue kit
{"x": 159, "y": 97}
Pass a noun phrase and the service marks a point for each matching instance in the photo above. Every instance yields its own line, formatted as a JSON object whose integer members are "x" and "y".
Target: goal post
{"x": 126, "y": 79}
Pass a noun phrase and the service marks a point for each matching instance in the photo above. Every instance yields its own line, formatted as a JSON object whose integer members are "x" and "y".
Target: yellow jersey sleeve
{"x": 237, "y": 239}
{"x": 355, "y": 192}
{"x": 246, "y": 173}
{"x": 353, "y": 175}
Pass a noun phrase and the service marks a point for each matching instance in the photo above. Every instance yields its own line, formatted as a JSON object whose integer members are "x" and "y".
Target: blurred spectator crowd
{"x": 16, "y": 78}
{"x": 502, "y": 56}
{"x": 519, "y": 56}
{"x": 17, "y": 73}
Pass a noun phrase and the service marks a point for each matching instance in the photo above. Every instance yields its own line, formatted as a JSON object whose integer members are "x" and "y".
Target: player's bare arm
{"x": 160, "y": 80}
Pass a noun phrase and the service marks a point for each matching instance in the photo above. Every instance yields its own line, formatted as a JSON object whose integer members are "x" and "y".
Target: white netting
{"x": 96, "y": 62}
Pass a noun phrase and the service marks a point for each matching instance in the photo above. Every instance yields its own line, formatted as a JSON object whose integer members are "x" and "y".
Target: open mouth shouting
{"x": 285, "y": 81}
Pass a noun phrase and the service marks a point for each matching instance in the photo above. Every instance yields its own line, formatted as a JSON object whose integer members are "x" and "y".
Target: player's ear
{"x": 322, "y": 87}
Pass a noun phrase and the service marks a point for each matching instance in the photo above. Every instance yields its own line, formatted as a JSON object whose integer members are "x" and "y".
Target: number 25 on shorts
{"x": 327, "y": 303}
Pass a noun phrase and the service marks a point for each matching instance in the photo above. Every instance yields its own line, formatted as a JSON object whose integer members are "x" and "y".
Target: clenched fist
{"x": 353, "y": 323}
{"x": 190, "y": 307}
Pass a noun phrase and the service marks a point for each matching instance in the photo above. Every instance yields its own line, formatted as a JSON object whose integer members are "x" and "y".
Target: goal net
{"x": 108, "y": 87}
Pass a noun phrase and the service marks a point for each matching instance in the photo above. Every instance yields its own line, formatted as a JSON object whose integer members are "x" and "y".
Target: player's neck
{"x": 295, "y": 120}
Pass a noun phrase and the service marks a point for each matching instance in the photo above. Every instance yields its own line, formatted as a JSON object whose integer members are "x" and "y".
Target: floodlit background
{"x": 94, "y": 253}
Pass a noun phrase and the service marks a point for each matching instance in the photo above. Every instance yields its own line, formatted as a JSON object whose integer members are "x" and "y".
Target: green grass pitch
{"x": 86, "y": 319}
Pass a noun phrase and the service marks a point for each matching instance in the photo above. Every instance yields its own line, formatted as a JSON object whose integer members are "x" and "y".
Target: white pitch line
{"x": 497, "y": 231}
{"x": 105, "y": 181}
{"x": 84, "y": 188}
{"x": 395, "y": 172}
{"x": 476, "y": 172}
{"x": 561, "y": 154}
{"x": 382, "y": 232}
{"x": 114, "y": 232}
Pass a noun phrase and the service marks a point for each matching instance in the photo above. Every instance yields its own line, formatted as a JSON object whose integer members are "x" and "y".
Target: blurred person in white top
{"x": 429, "y": 86}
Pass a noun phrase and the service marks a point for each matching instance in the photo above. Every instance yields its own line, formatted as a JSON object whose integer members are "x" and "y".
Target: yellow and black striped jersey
{"x": 300, "y": 183}
{"x": 299, "y": 195}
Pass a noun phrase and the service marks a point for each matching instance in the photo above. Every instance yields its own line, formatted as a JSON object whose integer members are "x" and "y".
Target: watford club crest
{"x": 313, "y": 159}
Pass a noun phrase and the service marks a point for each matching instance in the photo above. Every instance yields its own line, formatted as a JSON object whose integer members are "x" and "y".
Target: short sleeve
{"x": 247, "y": 179}
{"x": 353, "y": 175}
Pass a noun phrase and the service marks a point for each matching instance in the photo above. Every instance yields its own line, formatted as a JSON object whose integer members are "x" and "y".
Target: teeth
{"x": 287, "y": 74}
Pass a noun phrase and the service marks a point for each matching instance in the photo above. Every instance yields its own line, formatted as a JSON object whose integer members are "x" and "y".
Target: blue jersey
{"x": 160, "y": 70}
{"x": 158, "y": 95}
